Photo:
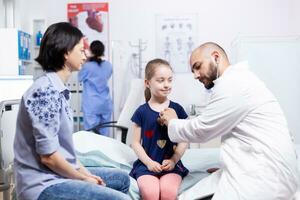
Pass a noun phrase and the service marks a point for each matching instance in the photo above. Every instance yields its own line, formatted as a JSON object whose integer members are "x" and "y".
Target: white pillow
{"x": 85, "y": 141}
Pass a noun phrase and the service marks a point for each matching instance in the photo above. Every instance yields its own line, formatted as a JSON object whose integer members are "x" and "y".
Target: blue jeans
{"x": 117, "y": 185}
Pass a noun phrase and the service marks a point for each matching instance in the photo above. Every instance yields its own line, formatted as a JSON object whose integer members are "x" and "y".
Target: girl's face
{"x": 76, "y": 57}
{"x": 160, "y": 84}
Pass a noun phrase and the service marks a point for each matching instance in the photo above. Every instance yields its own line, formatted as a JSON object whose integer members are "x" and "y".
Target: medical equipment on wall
{"x": 15, "y": 52}
{"x": 134, "y": 69}
{"x": 137, "y": 68}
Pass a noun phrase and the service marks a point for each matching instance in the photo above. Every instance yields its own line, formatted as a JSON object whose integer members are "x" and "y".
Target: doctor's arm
{"x": 140, "y": 152}
{"x": 218, "y": 118}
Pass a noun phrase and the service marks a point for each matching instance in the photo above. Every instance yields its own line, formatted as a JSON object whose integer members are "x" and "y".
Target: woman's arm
{"x": 57, "y": 163}
{"x": 86, "y": 172}
{"x": 140, "y": 152}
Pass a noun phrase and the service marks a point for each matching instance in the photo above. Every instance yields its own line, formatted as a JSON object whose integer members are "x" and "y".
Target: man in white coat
{"x": 257, "y": 154}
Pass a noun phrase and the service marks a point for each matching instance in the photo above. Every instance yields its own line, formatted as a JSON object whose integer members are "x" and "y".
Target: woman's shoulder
{"x": 41, "y": 87}
{"x": 89, "y": 64}
{"x": 106, "y": 63}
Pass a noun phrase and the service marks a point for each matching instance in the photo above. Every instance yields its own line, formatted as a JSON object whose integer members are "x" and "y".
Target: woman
{"x": 45, "y": 162}
{"x": 96, "y": 100}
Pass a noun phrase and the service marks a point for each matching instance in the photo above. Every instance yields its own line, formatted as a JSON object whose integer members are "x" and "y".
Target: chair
{"x": 8, "y": 117}
{"x": 134, "y": 99}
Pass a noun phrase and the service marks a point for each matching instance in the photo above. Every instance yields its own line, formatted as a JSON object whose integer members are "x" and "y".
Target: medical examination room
{"x": 149, "y": 100}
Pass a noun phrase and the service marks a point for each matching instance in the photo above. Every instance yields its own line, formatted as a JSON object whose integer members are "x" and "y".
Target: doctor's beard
{"x": 212, "y": 75}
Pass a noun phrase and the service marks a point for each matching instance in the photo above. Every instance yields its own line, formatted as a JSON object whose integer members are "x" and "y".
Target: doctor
{"x": 257, "y": 155}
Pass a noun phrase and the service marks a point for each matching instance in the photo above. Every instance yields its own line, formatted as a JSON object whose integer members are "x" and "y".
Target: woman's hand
{"x": 168, "y": 165}
{"x": 99, "y": 179}
{"x": 154, "y": 166}
{"x": 94, "y": 179}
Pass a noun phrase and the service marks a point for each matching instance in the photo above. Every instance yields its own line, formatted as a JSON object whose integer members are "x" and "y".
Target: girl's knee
{"x": 149, "y": 194}
{"x": 168, "y": 193}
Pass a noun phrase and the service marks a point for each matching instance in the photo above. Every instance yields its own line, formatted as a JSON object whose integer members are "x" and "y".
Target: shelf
{"x": 26, "y": 61}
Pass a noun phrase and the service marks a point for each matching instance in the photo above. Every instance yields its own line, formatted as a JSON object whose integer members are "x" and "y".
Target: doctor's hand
{"x": 167, "y": 114}
{"x": 168, "y": 165}
{"x": 154, "y": 166}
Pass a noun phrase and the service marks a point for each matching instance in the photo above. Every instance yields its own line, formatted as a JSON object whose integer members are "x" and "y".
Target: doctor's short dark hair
{"x": 59, "y": 39}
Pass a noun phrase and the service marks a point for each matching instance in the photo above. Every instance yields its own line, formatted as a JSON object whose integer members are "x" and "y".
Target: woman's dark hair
{"x": 150, "y": 70}
{"x": 59, "y": 39}
{"x": 97, "y": 49}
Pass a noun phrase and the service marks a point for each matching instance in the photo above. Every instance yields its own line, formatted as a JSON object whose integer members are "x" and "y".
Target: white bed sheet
{"x": 97, "y": 150}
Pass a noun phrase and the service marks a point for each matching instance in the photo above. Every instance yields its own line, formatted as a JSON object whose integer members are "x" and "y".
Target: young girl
{"x": 158, "y": 170}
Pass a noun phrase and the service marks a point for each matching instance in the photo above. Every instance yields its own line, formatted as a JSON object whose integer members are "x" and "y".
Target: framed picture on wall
{"x": 92, "y": 20}
{"x": 176, "y": 36}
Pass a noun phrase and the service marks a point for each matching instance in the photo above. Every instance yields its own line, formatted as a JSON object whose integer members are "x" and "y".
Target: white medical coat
{"x": 257, "y": 154}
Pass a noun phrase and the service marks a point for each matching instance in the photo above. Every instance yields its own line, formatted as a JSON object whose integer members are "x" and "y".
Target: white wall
{"x": 219, "y": 21}
{"x": 275, "y": 60}
{"x": 2, "y": 14}
{"x": 294, "y": 17}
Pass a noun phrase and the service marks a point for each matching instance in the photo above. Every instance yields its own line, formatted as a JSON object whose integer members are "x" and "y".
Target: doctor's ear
{"x": 216, "y": 57}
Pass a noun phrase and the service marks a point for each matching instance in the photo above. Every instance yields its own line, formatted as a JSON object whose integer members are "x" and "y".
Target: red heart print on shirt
{"x": 149, "y": 133}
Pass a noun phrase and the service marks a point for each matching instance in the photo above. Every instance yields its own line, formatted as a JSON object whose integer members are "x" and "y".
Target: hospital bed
{"x": 8, "y": 112}
{"x": 96, "y": 150}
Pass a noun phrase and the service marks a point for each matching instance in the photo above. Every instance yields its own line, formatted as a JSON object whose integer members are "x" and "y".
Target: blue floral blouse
{"x": 44, "y": 126}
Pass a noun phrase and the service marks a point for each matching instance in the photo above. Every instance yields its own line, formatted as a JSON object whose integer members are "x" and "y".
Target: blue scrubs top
{"x": 44, "y": 126}
{"x": 155, "y": 140}
{"x": 95, "y": 97}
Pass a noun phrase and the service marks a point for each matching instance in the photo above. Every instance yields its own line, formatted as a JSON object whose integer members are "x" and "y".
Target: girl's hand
{"x": 154, "y": 166}
{"x": 168, "y": 165}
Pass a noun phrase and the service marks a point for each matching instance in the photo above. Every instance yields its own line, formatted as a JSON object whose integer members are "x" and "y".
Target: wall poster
{"x": 92, "y": 20}
{"x": 175, "y": 39}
